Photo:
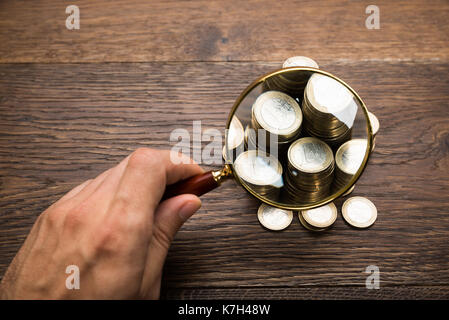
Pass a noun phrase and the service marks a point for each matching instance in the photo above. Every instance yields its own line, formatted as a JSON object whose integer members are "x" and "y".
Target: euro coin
{"x": 310, "y": 155}
{"x": 274, "y": 218}
{"x": 306, "y": 225}
{"x": 359, "y": 212}
{"x": 375, "y": 125}
{"x": 310, "y": 170}
{"x": 329, "y": 110}
{"x": 262, "y": 173}
{"x": 321, "y": 217}
{"x": 350, "y": 155}
{"x": 278, "y": 114}
{"x": 234, "y": 142}
{"x": 300, "y": 61}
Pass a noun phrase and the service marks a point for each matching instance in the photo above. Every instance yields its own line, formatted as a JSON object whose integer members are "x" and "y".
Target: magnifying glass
{"x": 297, "y": 138}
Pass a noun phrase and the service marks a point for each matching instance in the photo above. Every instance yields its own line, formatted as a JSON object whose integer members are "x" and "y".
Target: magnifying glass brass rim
{"x": 229, "y": 168}
{"x": 205, "y": 182}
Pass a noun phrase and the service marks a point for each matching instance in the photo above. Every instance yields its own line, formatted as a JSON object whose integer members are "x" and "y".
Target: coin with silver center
{"x": 359, "y": 212}
{"x": 321, "y": 217}
{"x": 278, "y": 113}
{"x": 235, "y": 134}
{"x": 350, "y": 155}
{"x": 274, "y": 218}
{"x": 300, "y": 61}
{"x": 310, "y": 155}
{"x": 328, "y": 95}
{"x": 258, "y": 168}
{"x": 374, "y": 122}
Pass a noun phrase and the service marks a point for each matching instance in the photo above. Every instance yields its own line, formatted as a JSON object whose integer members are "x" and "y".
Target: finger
{"x": 75, "y": 190}
{"x": 169, "y": 217}
{"x": 108, "y": 178}
{"x": 178, "y": 166}
{"x": 146, "y": 175}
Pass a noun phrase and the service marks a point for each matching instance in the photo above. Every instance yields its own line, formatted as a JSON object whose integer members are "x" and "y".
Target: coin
{"x": 234, "y": 140}
{"x": 374, "y": 122}
{"x": 310, "y": 170}
{"x": 350, "y": 155}
{"x": 299, "y": 61}
{"x": 321, "y": 217}
{"x": 277, "y": 113}
{"x": 235, "y": 134}
{"x": 328, "y": 95}
{"x": 291, "y": 82}
{"x": 310, "y": 155}
{"x": 260, "y": 172}
{"x": 348, "y": 159}
{"x": 375, "y": 126}
{"x": 359, "y": 212}
{"x": 329, "y": 110}
{"x": 274, "y": 218}
{"x": 306, "y": 225}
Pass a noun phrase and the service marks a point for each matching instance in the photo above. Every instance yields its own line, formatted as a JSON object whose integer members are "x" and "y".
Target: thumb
{"x": 171, "y": 214}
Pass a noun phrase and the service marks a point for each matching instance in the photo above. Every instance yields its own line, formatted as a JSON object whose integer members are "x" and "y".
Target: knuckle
{"x": 76, "y": 216}
{"x": 107, "y": 240}
{"x": 143, "y": 157}
{"x": 51, "y": 217}
{"x": 128, "y": 220}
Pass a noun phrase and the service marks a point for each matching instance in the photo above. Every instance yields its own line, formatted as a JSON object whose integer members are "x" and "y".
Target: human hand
{"x": 112, "y": 228}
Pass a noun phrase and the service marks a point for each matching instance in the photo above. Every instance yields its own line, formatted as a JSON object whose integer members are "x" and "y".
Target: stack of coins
{"x": 276, "y": 119}
{"x": 310, "y": 170}
{"x": 292, "y": 83}
{"x": 234, "y": 143}
{"x": 318, "y": 219}
{"x": 261, "y": 172}
{"x": 329, "y": 110}
{"x": 348, "y": 159}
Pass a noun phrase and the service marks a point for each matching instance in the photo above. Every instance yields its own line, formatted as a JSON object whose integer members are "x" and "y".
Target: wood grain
{"x": 145, "y": 31}
{"x": 312, "y": 293}
{"x": 63, "y": 123}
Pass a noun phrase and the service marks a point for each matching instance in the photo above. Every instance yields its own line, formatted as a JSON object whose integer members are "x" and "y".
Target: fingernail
{"x": 189, "y": 208}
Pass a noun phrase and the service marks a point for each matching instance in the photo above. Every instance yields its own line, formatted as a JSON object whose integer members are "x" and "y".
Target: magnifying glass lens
{"x": 298, "y": 138}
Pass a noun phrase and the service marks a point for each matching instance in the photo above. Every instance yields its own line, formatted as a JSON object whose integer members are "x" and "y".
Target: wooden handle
{"x": 197, "y": 185}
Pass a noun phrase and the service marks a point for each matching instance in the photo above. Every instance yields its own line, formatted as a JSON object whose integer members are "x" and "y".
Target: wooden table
{"x": 75, "y": 102}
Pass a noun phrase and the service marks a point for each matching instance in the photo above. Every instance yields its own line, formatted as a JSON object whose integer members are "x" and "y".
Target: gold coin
{"x": 306, "y": 225}
{"x": 330, "y": 96}
{"x": 350, "y": 155}
{"x": 310, "y": 155}
{"x": 259, "y": 168}
{"x": 374, "y": 122}
{"x": 277, "y": 113}
{"x": 321, "y": 217}
{"x": 274, "y": 218}
{"x": 300, "y": 61}
{"x": 235, "y": 134}
{"x": 359, "y": 212}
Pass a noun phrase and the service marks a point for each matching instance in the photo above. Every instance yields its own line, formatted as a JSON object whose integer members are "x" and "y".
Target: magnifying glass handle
{"x": 197, "y": 185}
